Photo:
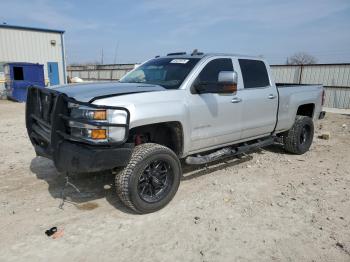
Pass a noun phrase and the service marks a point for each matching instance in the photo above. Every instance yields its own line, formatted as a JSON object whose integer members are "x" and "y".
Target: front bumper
{"x": 46, "y": 119}
{"x": 72, "y": 157}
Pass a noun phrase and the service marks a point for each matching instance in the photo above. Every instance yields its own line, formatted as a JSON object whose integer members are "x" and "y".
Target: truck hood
{"x": 88, "y": 92}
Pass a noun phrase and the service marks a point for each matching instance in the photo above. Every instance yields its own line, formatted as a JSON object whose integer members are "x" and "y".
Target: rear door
{"x": 259, "y": 99}
{"x": 215, "y": 119}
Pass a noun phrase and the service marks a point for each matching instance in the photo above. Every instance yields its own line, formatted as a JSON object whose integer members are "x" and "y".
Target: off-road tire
{"x": 127, "y": 180}
{"x": 295, "y": 140}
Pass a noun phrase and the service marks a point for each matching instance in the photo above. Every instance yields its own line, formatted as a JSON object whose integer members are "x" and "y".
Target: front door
{"x": 52, "y": 68}
{"x": 215, "y": 118}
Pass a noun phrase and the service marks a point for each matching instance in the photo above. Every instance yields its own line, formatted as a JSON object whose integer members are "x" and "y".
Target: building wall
{"x": 19, "y": 45}
{"x": 328, "y": 74}
{"x": 334, "y": 77}
{"x": 100, "y": 72}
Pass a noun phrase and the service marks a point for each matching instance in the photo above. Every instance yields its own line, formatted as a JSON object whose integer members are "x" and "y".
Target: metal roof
{"x": 31, "y": 28}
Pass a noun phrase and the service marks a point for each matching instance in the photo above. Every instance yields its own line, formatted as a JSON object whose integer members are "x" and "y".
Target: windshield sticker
{"x": 179, "y": 61}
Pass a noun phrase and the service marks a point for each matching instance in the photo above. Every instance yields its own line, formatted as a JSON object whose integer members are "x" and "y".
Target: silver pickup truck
{"x": 197, "y": 107}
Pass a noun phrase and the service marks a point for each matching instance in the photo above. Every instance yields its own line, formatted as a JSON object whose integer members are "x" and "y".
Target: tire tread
{"x": 291, "y": 138}
{"x": 122, "y": 179}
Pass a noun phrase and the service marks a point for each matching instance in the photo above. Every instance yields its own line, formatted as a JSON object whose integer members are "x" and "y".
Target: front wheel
{"x": 151, "y": 178}
{"x": 298, "y": 139}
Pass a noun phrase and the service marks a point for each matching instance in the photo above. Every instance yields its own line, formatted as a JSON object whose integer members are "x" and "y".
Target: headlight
{"x": 89, "y": 113}
{"x": 97, "y": 133}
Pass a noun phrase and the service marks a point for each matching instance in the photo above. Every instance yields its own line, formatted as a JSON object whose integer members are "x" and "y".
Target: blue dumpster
{"x": 20, "y": 76}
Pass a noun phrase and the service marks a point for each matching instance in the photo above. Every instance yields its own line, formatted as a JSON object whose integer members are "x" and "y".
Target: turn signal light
{"x": 100, "y": 115}
{"x": 98, "y": 134}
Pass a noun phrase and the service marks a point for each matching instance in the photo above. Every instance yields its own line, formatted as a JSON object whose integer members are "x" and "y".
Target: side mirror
{"x": 226, "y": 84}
{"x": 228, "y": 77}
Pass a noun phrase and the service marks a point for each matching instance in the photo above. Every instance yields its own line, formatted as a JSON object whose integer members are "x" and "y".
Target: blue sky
{"x": 137, "y": 30}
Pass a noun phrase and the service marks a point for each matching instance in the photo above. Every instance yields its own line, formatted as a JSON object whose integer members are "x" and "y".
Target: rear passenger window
{"x": 254, "y": 73}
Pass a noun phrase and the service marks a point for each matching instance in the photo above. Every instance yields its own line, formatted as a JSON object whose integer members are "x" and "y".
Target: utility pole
{"x": 102, "y": 56}
{"x": 116, "y": 53}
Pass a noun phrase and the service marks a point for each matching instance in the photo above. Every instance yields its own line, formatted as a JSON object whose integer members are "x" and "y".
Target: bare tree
{"x": 301, "y": 58}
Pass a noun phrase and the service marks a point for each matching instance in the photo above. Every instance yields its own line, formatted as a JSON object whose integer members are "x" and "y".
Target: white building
{"x": 34, "y": 45}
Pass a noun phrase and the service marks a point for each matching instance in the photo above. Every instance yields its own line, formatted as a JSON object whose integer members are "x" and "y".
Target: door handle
{"x": 271, "y": 96}
{"x": 236, "y": 100}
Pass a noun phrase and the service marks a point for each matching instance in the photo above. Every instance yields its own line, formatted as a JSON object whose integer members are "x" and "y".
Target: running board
{"x": 229, "y": 151}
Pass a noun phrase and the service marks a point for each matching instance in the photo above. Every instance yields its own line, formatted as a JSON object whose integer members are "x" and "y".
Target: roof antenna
{"x": 195, "y": 52}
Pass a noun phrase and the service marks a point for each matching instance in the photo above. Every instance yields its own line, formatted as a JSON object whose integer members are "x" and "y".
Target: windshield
{"x": 166, "y": 72}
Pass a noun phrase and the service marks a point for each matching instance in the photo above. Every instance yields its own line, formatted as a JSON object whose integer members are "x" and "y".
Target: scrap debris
{"x": 342, "y": 247}
{"x": 51, "y": 231}
{"x": 324, "y": 136}
{"x": 54, "y": 233}
{"x": 58, "y": 234}
{"x": 196, "y": 219}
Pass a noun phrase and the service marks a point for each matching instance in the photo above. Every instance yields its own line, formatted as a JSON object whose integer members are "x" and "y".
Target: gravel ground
{"x": 266, "y": 206}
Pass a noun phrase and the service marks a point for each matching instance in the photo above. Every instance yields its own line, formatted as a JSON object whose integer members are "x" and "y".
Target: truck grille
{"x": 39, "y": 116}
{"x": 47, "y": 118}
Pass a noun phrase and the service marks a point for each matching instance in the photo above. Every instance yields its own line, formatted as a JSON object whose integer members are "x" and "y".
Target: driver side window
{"x": 211, "y": 71}
{"x": 209, "y": 74}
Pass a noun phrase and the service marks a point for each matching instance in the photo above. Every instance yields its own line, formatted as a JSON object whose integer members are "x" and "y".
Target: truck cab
{"x": 247, "y": 112}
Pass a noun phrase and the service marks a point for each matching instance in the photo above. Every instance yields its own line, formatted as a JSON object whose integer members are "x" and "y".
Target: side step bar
{"x": 229, "y": 151}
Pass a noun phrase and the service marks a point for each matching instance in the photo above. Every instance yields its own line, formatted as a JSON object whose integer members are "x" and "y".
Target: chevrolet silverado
{"x": 197, "y": 107}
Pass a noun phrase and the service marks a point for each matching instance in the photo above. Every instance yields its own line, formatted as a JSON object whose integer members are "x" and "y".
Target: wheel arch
{"x": 306, "y": 110}
{"x": 169, "y": 134}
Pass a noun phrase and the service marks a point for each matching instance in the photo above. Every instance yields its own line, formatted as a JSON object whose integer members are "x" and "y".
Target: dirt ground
{"x": 266, "y": 206}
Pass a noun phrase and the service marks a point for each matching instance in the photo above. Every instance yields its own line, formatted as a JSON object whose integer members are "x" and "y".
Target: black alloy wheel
{"x": 155, "y": 181}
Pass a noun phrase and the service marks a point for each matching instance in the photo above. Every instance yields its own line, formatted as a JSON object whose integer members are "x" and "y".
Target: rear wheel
{"x": 151, "y": 178}
{"x": 298, "y": 139}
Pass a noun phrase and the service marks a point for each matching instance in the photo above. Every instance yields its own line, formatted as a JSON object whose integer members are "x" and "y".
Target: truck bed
{"x": 293, "y": 95}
